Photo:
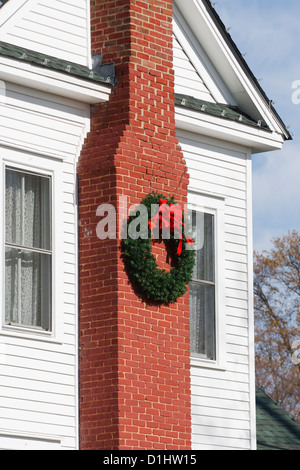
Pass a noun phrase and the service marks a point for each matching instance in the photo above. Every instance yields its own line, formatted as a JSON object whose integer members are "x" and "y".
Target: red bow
{"x": 169, "y": 216}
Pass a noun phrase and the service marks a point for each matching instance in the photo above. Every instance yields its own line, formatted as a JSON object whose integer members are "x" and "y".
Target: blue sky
{"x": 268, "y": 32}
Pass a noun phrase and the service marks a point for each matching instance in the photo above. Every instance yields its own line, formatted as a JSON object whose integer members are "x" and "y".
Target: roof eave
{"x": 52, "y": 81}
{"x": 254, "y": 138}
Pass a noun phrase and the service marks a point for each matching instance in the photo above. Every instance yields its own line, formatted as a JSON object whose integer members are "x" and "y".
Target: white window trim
{"x": 42, "y": 166}
{"x": 214, "y": 205}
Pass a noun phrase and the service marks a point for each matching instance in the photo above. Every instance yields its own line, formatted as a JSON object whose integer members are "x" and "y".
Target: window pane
{"x": 202, "y": 320}
{"x": 27, "y": 271}
{"x": 27, "y": 209}
{"x": 13, "y": 207}
{"x": 28, "y": 288}
{"x": 203, "y": 233}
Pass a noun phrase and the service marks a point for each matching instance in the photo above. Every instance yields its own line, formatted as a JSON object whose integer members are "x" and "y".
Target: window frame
{"x": 22, "y": 247}
{"x": 214, "y": 205}
{"x": 41, "y": 166}
{"x": 205, "y": 283}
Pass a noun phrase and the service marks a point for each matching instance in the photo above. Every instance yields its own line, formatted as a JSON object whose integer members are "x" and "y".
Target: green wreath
{"x": 151, "y": 283}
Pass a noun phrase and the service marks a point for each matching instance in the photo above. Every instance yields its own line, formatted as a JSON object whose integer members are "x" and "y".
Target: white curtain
{"x": 27, "y": 229}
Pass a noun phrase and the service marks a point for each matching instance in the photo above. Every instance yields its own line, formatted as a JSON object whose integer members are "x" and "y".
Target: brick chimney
{"x": 134, "y": 368}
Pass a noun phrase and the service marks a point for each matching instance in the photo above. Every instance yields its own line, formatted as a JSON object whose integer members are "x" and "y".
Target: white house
{"x": 228, "y": 120}
{"x": 48, "y": 83}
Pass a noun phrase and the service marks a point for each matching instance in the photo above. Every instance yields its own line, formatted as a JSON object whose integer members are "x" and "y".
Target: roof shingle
{"x": 276, "y": 430}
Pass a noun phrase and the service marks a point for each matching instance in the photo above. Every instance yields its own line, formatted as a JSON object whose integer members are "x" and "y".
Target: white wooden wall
{"x": 46, "y": 124}
{"x": 222, "y": 398}
{"x": 187, "y": 78}
{"x": 38, "y": 376}
{"x": 59, "y": 28}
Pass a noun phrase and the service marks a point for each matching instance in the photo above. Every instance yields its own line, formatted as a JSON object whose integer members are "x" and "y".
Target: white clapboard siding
{"x": 31, "y": 121}
{"x": 187, "y": 79}
{"x": 221, "y": 412}
{"x": 13, "y": 443}
{"x": 38, "y": 377}
{"x": 57, "y": 28}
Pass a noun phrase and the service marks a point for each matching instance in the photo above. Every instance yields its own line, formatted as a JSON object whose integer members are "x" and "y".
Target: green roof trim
{"x": 52, "y": 63}
{"x": 276, "y": 430}
{"x": 224, "y": 111}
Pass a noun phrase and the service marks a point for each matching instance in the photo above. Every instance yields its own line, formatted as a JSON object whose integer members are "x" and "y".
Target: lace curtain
{"x": 27, "y": 236}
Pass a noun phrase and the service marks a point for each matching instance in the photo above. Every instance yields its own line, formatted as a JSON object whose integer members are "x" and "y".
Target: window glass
{"x": 27, "y": 250}
{"x": 202, "y": 287}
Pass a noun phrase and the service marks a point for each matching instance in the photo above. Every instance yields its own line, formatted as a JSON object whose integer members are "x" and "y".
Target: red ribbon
{"x": 169, "y": 216}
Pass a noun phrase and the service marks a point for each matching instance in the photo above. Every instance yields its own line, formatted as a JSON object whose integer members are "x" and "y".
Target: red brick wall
{"x": 134, "y": 358}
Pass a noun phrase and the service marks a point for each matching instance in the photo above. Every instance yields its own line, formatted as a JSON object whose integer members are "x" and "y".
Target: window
{"x": 28, "y": 255}
{"x": 202, "y": 287}
{"x": 207, "y": 288}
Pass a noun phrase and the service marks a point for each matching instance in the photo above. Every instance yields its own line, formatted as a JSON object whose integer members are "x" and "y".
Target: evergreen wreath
{"x": 151, "y": 283}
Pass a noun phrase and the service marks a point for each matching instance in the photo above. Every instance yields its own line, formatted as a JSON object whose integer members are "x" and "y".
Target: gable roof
{"x": 224, "y": 71}
{"x": 244, "y": 64}
{"x": 276, "y": 430}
